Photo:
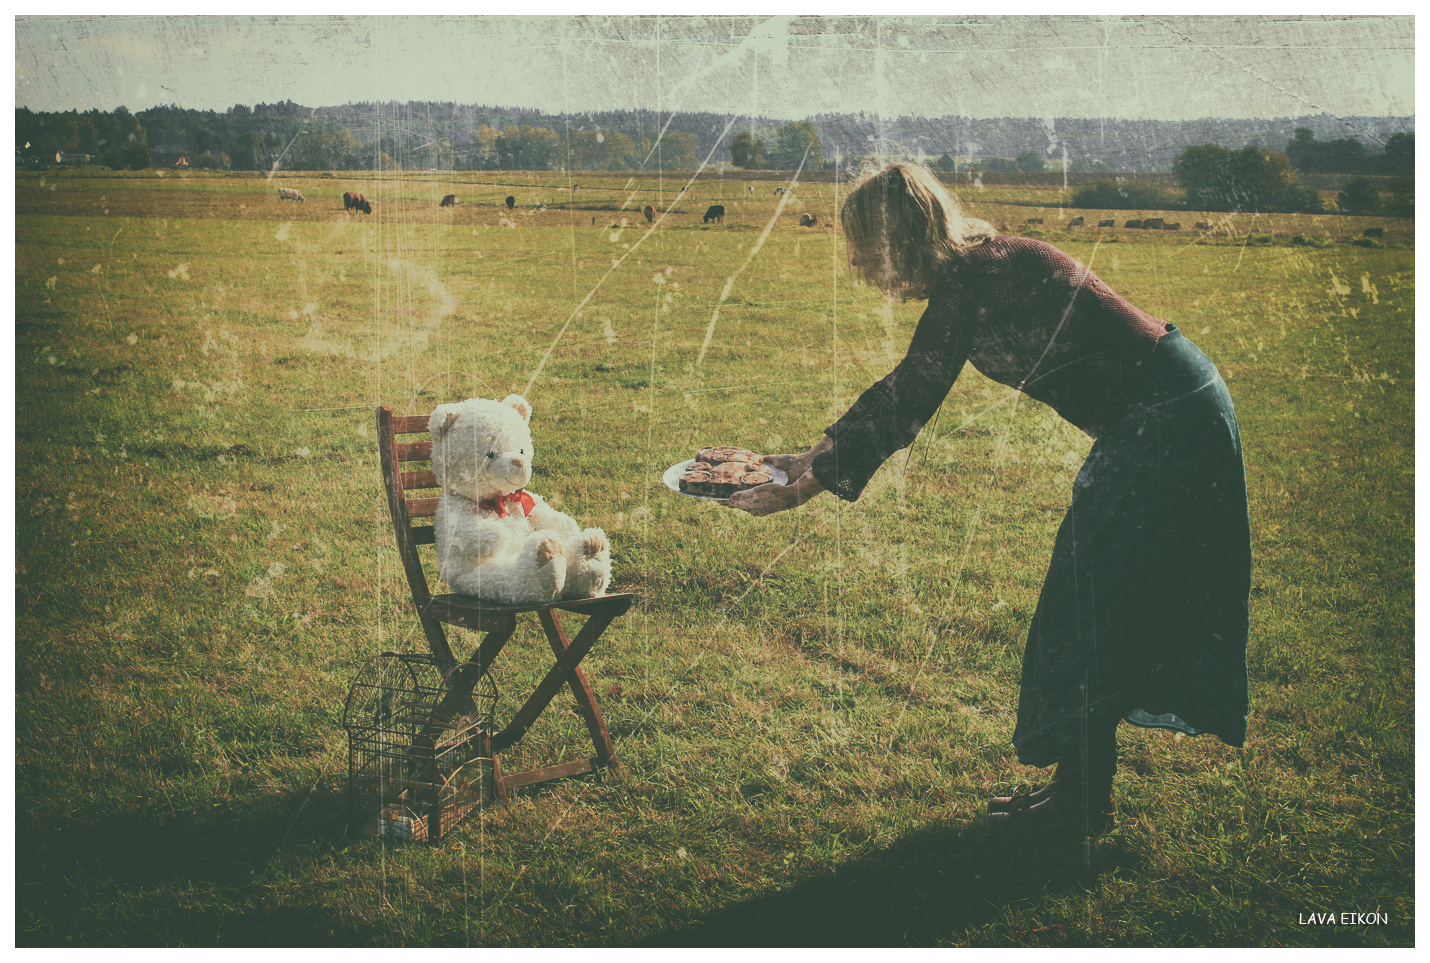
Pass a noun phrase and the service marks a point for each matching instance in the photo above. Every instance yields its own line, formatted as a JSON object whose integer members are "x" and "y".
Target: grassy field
{"x": 811, "y": 709}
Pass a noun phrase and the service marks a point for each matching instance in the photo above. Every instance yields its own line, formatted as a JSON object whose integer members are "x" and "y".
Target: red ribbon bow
{"x": 498, "y": 504}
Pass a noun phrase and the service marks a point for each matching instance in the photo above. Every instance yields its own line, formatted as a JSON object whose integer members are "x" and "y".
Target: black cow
{"x": 510, "y": 202}
{"x": 1035, "y": 220}
{"x": 1374, "y": 232}
{"x": 1203, "y": 226}
{"x": 806, "y": 220}
{"x": 1174, "y": 226}
{"x": 1131, "y": 224}
{"x": 649, "y": 213}
{"x": 449, "y": 201}
{"x": 1152, "y": 224}
{"x": 1076, "y": 222}
{"x": 715, "y": 213}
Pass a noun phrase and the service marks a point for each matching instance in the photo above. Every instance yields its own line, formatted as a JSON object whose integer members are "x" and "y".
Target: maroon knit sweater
{"x": 1027, "y": 316}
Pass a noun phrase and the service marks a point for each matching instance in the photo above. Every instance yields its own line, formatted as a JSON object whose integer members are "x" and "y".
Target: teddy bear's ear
{"x": 522, "y": 406}
{"x": 442, "y": 419}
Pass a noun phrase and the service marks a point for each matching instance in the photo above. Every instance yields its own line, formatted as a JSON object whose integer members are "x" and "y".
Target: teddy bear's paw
{"x": 546, "y": 550}
{"x": 595, "y": 542}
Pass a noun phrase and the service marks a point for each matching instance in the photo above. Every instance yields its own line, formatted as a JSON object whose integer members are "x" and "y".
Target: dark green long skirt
{"x": 1143, "y": 615}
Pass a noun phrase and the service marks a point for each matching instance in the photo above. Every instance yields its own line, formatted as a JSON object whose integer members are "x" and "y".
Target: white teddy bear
{"x": 495, "y": 540}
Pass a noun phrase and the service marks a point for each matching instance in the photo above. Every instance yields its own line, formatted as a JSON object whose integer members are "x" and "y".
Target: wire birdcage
{"x": 419, "y": 745}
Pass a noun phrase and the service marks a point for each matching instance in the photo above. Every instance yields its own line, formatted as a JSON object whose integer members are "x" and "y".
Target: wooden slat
{"x": 418, "y": 479}
{"x": 469, "y": 613}
{"x": 410, "y": 424}
{"x": 576, "y": 767}
{"x": 414, "y": 451}
{"x": 421, "y": 507}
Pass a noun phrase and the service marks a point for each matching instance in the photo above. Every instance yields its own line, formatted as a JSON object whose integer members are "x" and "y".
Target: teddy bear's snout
{"x": 515, "y": 470}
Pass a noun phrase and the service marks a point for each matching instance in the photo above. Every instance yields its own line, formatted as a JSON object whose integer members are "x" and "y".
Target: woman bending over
{"x": 1143, "y": 614}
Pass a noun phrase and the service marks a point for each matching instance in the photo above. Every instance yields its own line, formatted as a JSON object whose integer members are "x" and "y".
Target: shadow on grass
{"x": 930, "y": 887}
{"x": 218, "y": 878}
{"x": 185, "y": 879}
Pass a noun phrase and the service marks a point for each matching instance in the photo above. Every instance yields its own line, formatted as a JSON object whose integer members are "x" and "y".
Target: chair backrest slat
{"x": 421, "y": 508}
{"x": 418, "y": 479}
{"x": 403, "y": 509}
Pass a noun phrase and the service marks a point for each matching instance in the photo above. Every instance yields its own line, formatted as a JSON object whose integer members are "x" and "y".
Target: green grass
{"x": 811, "y": 709}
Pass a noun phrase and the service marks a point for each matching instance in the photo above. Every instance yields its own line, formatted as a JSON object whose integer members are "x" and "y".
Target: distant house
{"x": 72, "y": 160}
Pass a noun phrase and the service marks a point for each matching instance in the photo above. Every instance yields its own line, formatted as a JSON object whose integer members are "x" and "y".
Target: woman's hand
{"x": 771, "y": 498}
{"x": 795, "y": 466}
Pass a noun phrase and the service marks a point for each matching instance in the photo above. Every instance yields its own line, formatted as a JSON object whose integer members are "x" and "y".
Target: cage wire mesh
{"x": 419, "y": 758}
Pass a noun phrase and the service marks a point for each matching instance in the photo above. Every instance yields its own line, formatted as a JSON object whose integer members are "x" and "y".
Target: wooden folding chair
{"x": 496, "y": 620}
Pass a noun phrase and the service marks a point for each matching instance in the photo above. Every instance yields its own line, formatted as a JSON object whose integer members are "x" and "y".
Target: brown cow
{"x": 1109, "y": 222}
{"x": 362, "y": 204}
{"x": 1076, "y": 222}
{"x": 449, "y": 201}
{"x": 649, "y": 213}
{"x": 348, "y": 200}
{"x": 1152, "y": 224}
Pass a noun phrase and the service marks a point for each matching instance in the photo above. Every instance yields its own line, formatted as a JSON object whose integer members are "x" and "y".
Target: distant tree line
{"x": 1346, "y": 155}
{"x": 290, "y": 136}
{"x": 796, "y": 146}
{"x": 1253, "y": 179}
{"x": 116, "y": 139}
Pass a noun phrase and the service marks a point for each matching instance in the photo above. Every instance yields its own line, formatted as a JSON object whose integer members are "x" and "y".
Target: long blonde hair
{"x": 903, "y": 218}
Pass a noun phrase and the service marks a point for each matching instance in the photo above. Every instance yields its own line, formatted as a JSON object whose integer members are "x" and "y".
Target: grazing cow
{"x": 649, "y": 213}
{"x": 779, "y": 191}
{"x": 1132, "y": 224}
{"x": 359, "y": 203}
{"x": 716, "y": 213}
{"x": 1152, "y": 224}
{"x": 1203, "y": 226}
{"x": 1374, "y": 232}
{"x": 750, "y": 188}
{"x": 1174, "y": 226}
{"x": 1109, "y": 222}
{"x": 1035, "y": 220}
{"x": 1076, "y": 222}
{"x": 289, "y": 194}
{"x": 510, "y": 202}
{"x": 449, "y": 201}
{"x": 807, "y": 220}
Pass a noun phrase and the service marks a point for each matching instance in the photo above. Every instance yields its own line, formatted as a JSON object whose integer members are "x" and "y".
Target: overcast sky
{"x": 785, "y": 68}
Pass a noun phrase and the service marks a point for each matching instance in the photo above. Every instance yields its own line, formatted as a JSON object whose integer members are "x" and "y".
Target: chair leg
{"x": 556, "y": 677}
{"x": 581, "y": 690}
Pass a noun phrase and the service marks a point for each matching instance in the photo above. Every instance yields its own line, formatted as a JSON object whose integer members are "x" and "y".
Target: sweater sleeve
{"x": 890, "y": 414}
